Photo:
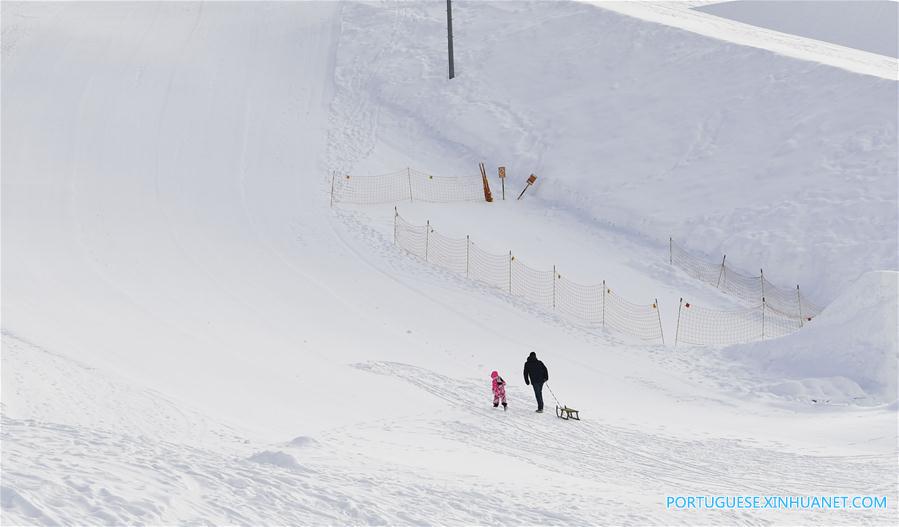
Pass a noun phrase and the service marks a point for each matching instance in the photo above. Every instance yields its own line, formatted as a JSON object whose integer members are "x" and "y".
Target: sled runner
{"x": 566, "y": 413}
{"x": 562, "y": 410}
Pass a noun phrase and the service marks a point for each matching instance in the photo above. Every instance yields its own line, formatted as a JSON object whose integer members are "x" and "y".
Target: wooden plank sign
{"x": 531, "y": 181}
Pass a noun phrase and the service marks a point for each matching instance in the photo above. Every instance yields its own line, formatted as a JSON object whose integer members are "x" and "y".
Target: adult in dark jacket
{"x": 535, "y": 373}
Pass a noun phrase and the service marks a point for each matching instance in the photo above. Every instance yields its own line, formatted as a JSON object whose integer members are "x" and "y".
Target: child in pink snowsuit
{"x": 499, "y": 390}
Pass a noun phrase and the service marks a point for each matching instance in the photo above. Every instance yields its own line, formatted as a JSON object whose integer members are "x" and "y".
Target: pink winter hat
{"x": 494, "y": 375}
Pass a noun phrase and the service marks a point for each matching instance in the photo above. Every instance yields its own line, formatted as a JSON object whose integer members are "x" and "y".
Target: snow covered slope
{"x": 791, "y": 38}
{"x": 869, "y": 26}
{"x": 782, "y": 164}
{"x": 196, "y": 336}
{"x": 850, "y": 352}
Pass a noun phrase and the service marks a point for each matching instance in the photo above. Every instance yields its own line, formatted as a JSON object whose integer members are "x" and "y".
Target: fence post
{"x": 659, "y": 314}
{"x": 677, "y": 329}
{"x": 762, "y": 280}
{"x": 396, "y": 216}
{"x": 763, "y": 317}
{"x": 449, "y": 38}
{"x": 333, "y": 175}
{"x": 554, "y": 287}
{"x": 603, "y": 303}
{"x": 721, "y": 272}
{"x": 670, "y": 251}
{"x": 427, "y": 238}
{"x": 510, "y": 271}
{"x": 467, "y": 250}
{"x": 409, "y": 178}
{"x": 799, "y": 302}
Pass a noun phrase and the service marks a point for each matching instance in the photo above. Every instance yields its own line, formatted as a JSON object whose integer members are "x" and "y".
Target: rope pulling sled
{"x": 563, "y": 411}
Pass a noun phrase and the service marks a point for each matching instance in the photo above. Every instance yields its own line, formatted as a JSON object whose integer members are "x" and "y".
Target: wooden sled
{"x": 563, "y": 412}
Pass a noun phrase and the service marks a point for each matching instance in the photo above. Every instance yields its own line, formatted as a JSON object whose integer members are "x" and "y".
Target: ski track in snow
{"x": 601, "y": 451}
{"x": 637, "y": 463}
{"x": 363, "y": 233}
{"x": 145, "y": 481}
{"x": 90, "y": 473}
{"x": 595, "y": 450}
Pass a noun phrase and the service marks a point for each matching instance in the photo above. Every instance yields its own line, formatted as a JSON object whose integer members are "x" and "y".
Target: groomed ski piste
{"x": 192, "y": 332}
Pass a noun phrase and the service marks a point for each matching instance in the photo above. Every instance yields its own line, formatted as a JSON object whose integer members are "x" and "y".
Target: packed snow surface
{"x": 868, "y": 25}
{"x": 679, "y": 15}
{"x": 190, "y": 333}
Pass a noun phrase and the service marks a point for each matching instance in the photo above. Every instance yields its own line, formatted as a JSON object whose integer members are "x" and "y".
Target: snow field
{"x": 191, "y": 333}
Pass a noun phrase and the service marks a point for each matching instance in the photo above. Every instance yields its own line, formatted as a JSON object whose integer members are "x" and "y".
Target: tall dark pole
{"x": 449, "y": 35}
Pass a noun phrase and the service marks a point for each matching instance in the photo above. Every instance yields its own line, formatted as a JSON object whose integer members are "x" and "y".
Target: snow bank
{"x": 277, "y": 458}
{"x": 302, "y": 441}
{"x": 848, "y": 353}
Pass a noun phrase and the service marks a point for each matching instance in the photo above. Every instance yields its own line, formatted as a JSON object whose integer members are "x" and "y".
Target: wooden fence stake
{"x": 487, "y": 195}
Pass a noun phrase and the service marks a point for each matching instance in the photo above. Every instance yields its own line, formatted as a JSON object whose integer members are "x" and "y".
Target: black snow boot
{"x": 505, "y": 407}
{"x": 495, "y": 405}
